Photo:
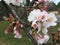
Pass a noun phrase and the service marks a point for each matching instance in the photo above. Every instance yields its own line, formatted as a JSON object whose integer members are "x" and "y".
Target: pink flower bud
{"x": 58, "y": 29}
{"x": 59, "y": 35}
{"x": 6, "y": 31}
{"x": 21, "y": 25}
{"x": 42, "y": 1}
{"x": 7, "y": 19}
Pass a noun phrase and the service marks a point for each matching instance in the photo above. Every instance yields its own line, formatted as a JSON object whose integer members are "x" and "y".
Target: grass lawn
{"x": 10, "y": 40}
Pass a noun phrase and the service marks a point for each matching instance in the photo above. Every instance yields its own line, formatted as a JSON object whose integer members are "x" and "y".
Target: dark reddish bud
{"x": 53, "y": 33}
{"x": 58, "y": 37}
{"x": 29, "y": 9}
{"x": 53, "y": 36}
{"x": 44, "y": 7}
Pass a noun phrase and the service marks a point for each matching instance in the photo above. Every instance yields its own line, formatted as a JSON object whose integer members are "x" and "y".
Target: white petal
{"x": 30, "y": 32}
{"x": 7, "y": 1}
{"x": 15, "y": 36}
{"x": 53, "y": 17}
{"x": 53, "y": 24}
{"x": 14, "y": 28}
{"x": 33, "y": 15}
{"x": 46, "y": 24}
{"x": 15, "y": 31}
{"x": 41, "y": 41}
{"x": 46, "y": 37}
{"x": 19, "y": 36}
{"x": 44, "y": 31}
{"x": 44, "y": 12}
{"x": 30, "y": 18}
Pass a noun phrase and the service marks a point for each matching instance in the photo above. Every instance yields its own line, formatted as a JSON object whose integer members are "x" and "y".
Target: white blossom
{"x": 33, "y": 15}
{"x": 42, "y": 16}
{"x": 42, "y": 20}
{"x": 46, "y": 38}
{"x": 44, "y": 31}
{"x": 52, "y": 19}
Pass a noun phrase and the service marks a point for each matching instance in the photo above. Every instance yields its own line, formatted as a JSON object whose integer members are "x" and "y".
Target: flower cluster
{"x": 14, "y": 26}
{"x": 42, "y": 20}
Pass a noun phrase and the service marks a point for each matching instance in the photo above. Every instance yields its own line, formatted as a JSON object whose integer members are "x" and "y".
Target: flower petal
{"x": 53, "y": 24}
{"x": 46, "y": 24}
{"x": 46, "y": 37}
{"x": 44, "y": 31}
{"x": 41, "y": 41}
{"x": 33, "y": 15}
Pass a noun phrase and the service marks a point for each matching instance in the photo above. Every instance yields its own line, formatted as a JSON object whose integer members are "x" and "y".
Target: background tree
{"x": 58, "y": 7}
{"x": 51, "y": 6}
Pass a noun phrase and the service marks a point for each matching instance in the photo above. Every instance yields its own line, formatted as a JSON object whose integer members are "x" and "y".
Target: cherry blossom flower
{"x": 52, "y": 19}
{"x": 17, "y": 33}
{"x": 46, "y": 38}
{"x": 42, "y": 20}
{"x": 42, "y": 40}
{"x": 42, "y": 16}
{"x": 33, "y": 15}
{"x": 18, "y": 36}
